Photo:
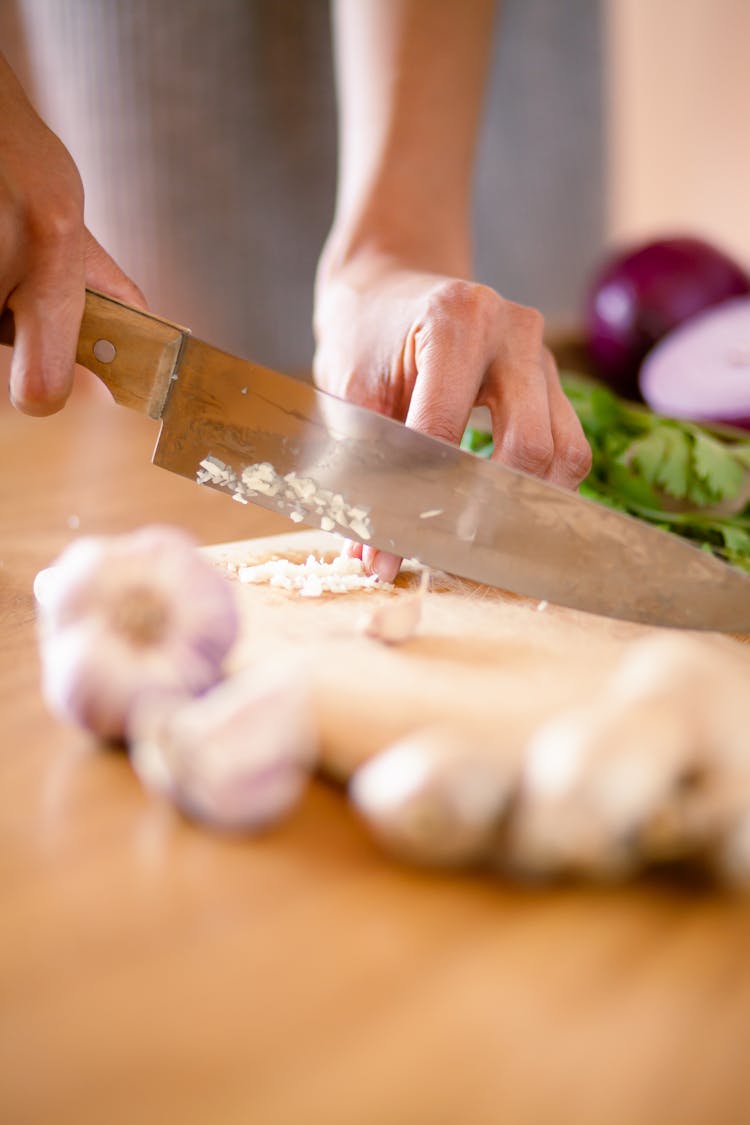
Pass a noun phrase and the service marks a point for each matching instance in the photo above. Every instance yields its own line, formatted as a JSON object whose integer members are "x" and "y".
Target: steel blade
{"x": 276, "y": 441}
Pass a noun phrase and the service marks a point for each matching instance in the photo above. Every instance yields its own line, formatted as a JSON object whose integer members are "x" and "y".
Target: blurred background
{"x": 205, "y": 134}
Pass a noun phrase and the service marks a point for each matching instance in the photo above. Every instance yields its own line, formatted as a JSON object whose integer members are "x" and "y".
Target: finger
{"x": 521, "y": 424}
{"x": 449, "y": 354}
{"x": 351, "y": 549}
{"x": 515, "y": 390}
{"x": 47, "y": 321}
{"x": 572, "y": 458}
{"x": 386, "y": 566}
{"x": 375, "y": 562}
{"x": 103, "y": 273}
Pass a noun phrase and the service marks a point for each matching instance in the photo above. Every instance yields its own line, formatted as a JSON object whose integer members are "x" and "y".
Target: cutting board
{"x": 489, "y": 662}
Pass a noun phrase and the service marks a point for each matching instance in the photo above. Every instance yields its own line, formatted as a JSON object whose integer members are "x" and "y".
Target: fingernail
{"x": 385, "y": 566}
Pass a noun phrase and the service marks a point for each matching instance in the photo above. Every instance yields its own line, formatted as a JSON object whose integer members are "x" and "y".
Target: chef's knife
{"x": 269, "y": 439}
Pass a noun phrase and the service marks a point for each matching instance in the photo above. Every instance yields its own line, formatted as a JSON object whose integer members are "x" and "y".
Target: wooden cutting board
{"x": 493, "y": 663}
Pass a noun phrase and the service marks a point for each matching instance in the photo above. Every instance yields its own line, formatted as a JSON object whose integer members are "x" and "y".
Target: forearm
{"x": 410, "y": 76}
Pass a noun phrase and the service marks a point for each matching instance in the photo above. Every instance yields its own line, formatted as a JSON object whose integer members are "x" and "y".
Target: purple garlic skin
{"x": 129, "y": 616}
{"x": 239, "y": 757}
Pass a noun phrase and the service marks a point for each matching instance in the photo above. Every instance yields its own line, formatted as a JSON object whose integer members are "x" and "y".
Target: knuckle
{"x": 465, "y": 303}
{"x": 530, "y": 450}
{"x": 57, "y": 224}
{"x": 529, "y": 323}
{"x": 63, "y": 223}
{"x": 438, "y": 425}
{"x": 576, "y": 459}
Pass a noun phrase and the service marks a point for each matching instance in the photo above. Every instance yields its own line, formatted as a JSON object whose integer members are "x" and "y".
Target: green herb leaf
{"x": 673, "y": 474}
{"x": 477, "y": 441}
{"x": 716, "y": 467}
{"x": 630, "y": 486}
{"x": 736, "y": 539}
{"x": 647, "y": 454}
{"x": 640, "y": 460}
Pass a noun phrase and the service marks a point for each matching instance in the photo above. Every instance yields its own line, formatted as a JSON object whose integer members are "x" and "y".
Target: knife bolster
{"x": 134, "y": 353}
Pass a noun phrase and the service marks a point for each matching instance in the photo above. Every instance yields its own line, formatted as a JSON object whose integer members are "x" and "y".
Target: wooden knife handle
{"x": 134, "y": 353}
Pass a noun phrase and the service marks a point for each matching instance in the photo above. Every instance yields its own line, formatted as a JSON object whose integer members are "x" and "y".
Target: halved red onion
{"x": 701, "y": 370}
{"x": 642, "y": 292}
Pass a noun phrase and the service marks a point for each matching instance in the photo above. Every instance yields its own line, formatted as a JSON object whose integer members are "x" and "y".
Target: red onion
{"x": 701, "y": 370}
{"x": 641, "y": 293}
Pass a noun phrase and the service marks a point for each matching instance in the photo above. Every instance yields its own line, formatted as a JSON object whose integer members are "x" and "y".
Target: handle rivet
{"x": 105, "y": 351}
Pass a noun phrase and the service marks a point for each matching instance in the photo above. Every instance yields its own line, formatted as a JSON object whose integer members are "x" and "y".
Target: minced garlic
{"x": 299, "y": 497}
{"x": 314, "y": 577}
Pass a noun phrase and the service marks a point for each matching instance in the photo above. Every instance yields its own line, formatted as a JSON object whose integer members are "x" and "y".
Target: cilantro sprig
{"x": 688, "y": 479}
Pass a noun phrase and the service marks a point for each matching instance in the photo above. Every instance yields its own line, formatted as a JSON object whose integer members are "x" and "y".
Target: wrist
{"x": 384, "y": 234}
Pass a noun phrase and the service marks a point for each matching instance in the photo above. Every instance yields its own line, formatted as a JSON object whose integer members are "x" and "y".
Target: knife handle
{"x": 133, "y": 352}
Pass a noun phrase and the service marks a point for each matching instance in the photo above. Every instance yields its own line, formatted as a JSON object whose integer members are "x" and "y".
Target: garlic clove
{"x": 700, "y": 676}
{"x": 397, "y": 620}
{"x": 432, "y": 798}
{"x": 45, "y": 582}
{"x": 238, "y": 757}
{"x": 123, "y": 616}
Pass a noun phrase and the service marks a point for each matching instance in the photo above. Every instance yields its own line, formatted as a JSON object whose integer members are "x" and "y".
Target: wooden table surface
{"x": 154, "y": 973}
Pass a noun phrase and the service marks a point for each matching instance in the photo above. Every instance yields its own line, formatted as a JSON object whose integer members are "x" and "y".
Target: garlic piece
{"x": 397, "y": 620}
{"x": 127, "y": 616}
{"x": 238, "y": 757}
{"x": 601, "y": 791}
{"x": 314, "y": 577}
{"x": 657, "y": 769}
{"x": 704, "y": 677}
{"x": 433, "y": 798}
{"x": 44, "y": 584}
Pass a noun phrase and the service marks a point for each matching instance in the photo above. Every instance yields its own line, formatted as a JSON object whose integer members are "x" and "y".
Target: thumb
{"x": 104, "y": 274}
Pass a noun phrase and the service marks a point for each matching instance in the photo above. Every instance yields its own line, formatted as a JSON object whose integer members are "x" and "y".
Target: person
{"x": 400, "y": 325}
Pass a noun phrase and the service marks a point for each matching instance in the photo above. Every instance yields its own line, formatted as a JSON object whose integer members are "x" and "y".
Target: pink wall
{"x": 678, "y": 112}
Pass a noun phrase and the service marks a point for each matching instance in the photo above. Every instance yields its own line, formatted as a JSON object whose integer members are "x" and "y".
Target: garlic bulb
{"x": 126, "y": 616}
{"x": 433, "y": 798}
{"x": 599, "y": 790}
{"x": 657, "y": 769}
{"x": 238, "y": 757}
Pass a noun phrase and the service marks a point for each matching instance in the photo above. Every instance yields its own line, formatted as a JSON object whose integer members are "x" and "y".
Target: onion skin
{"x": 642, "y": 292}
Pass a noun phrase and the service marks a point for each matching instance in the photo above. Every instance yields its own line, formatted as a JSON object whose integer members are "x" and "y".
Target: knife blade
{"x": 269, "y": 439}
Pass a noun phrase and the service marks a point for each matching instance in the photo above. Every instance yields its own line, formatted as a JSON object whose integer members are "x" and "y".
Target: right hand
{"x": 47, "y": 256}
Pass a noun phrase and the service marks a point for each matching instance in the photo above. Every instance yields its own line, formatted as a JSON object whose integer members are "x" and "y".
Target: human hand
{"x": 426, "y": 348}
{"x": 47, "y": 256}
